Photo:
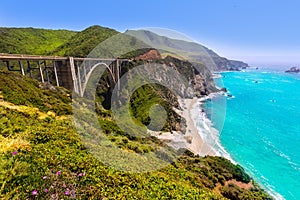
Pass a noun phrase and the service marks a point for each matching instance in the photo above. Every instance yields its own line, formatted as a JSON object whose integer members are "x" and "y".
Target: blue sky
{"x": 260, "y": 32}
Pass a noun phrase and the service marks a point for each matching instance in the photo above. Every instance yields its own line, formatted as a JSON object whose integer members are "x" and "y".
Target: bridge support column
{"x": 80, "y": 92}
{"x": 73, "y": 73}
{"x": 64, "y": 74}
{"x": 118, "y": 75}
{"x": 21, "y": 68}
{"x": 41, "y": 71}
{"x": 55, "y": 73}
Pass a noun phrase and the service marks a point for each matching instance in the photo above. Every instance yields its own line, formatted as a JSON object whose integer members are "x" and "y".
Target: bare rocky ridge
{"x": 152, "y": 54}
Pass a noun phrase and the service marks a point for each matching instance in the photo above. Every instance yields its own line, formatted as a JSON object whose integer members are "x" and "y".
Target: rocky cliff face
{"x": 197, "y": 74}
{"x": 152, "y": 54}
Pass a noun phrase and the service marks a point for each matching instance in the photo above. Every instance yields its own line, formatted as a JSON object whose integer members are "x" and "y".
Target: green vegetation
{"x": 43, "y": 157}
{"x": 32, "y": 40}
{"x": 81, "y": 44}
{"x": 20, "y": 90}
{"x": 147, "y": 96}
{"x": 63, "y": 42}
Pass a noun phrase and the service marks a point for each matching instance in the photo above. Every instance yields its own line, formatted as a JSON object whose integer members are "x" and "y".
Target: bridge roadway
{"x": 69, "y": 72}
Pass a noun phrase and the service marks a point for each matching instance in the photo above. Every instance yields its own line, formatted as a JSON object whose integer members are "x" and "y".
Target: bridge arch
{"x": 88, "y": 75}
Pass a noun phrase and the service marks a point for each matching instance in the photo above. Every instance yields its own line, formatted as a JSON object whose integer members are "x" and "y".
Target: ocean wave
{"x": 294, "y": 165}
{"x": 273, "y": 193}
{"x": 279, "y": 153}
{"x": 253, "y": 172}
{"x": 216, "y": 76}
{"x": 230, "y": 97}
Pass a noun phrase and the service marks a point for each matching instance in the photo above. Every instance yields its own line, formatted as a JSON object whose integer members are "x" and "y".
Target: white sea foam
{"x": 206, "y": 129}
{"x": 264, "y": 183}
{"x": 215, "y": 76}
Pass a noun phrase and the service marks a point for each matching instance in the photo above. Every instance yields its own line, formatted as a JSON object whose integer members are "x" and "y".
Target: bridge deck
{"x": 69, "y": 72}
{"x": 4, "y": 56}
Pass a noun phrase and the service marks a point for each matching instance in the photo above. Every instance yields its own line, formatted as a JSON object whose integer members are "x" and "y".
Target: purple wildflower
{"x": 14, "y": 153}
{"x": 58, "y": 173}
{"x": 44, "y": 177}
{"x": 81, "y": 174}
{"x": 67, "y": 192}
{"x": 46, "y": 190}
{"x": 34, "y": 192}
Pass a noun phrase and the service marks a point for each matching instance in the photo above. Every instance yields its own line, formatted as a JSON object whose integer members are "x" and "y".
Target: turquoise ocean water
{"x": 261, "y": 129}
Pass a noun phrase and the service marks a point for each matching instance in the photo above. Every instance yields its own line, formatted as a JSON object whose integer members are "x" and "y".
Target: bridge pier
{"x": 64, "y": 74}
{"x": 41, "y": 71}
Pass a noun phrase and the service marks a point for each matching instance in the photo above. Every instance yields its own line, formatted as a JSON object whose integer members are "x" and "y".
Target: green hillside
{"x": 43, "y": 157}
{"x": 82, "y": 43}
{"x": 67, "y": 43}
{"x": 32, "y": 40}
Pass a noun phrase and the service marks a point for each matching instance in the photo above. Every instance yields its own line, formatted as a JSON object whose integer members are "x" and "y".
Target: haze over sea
{"x": 261, "y": 129}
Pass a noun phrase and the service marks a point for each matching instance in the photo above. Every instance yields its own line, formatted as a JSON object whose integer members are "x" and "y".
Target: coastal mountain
{"x": 186, "y": 50}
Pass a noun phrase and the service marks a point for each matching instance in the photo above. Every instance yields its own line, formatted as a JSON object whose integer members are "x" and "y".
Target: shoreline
{"x": 198, "y": 144}
{"x": 206, "y": 128}
{"x": 191, "y": 139}
{"x": 195, "y": 138}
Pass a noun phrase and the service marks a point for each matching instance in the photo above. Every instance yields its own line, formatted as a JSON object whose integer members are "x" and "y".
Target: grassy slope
{"x": 46, "y": 145}
{"x": 32, "y": 40}
{"x": 81, "y": 44}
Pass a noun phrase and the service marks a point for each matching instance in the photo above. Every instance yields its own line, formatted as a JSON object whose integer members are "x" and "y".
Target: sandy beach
{"x": 191, "y": 139}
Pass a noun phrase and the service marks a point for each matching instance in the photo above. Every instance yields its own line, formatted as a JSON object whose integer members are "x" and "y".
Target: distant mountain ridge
{"x": 191, "y": 51}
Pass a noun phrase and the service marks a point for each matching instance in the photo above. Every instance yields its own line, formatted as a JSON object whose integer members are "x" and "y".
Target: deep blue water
{"x": 261, "y": 127}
